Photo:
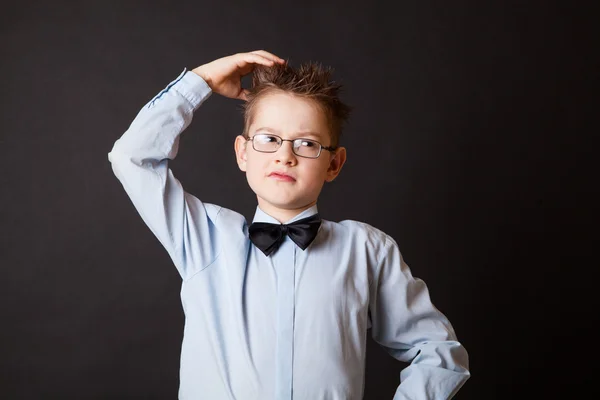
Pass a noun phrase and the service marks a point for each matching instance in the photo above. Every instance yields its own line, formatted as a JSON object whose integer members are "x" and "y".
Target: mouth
{"x": 281, "y": 177}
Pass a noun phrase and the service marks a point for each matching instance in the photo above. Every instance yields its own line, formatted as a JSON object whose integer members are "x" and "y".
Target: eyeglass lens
{"x": 270, "y": 143}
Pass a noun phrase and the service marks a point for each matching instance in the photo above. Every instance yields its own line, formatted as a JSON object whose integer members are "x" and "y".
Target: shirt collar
{"x": 261, "y": 216}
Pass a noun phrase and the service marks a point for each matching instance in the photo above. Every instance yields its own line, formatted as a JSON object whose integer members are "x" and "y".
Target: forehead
{"x": 289, "y": 116}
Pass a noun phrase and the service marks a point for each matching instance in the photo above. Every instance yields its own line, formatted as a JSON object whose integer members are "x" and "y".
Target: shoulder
{"x": 223, "y": 218}
{"x": 229, "y": 218}
{"x": 362, "y": 234}
{"x": 362, "y": 230}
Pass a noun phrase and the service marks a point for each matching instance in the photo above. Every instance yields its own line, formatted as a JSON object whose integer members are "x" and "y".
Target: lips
{"x": 281, "y": 176}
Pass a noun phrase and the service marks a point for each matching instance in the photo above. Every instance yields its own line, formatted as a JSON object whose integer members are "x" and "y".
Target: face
{"x": 289, "y": 117}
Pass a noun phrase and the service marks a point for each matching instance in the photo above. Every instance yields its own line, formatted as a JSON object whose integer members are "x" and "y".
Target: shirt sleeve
{"x": 409, "y": 327}
{"x": 140, "y": 160}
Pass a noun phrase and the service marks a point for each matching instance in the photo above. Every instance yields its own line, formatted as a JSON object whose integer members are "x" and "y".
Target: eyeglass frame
{"x": 281, "y": 140}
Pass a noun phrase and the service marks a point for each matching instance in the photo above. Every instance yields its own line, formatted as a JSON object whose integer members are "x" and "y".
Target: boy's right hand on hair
{"x": 224, "y": 75}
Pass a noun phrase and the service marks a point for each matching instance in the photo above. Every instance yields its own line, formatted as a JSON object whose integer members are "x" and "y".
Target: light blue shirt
{"x": 292, "y": 325}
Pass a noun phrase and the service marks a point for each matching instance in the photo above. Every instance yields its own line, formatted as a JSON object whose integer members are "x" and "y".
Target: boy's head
{"x": 290, "y": 104}
{"x": 310, "y": 81}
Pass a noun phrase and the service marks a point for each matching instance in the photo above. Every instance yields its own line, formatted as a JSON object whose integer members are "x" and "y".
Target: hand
{"x": 224, "y": 75}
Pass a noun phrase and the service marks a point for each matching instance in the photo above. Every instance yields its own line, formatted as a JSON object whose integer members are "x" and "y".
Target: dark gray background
{"x": 467, "y": 145}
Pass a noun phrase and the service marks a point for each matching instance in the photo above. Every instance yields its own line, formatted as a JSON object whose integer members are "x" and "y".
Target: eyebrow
{"x": 301, "y": 134}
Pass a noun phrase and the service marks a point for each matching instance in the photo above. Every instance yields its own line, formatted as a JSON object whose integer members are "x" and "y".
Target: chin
{"x": 284, "y": 201}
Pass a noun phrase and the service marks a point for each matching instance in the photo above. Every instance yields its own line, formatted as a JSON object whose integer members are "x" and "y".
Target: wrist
{"x": 202, "y": 74}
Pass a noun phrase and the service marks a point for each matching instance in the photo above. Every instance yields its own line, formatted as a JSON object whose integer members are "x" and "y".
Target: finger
{"x": 243, "y": 95}
{"x": 268, "y": 55}
{"x": 252, "y": 58}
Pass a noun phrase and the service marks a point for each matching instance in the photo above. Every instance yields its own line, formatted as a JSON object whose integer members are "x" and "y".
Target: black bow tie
{"x": 267, "y": 237}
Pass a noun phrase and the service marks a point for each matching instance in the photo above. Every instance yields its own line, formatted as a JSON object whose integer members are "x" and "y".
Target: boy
{"x": 280, "y": 309}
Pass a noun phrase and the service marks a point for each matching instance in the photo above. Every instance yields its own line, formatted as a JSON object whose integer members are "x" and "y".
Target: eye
{"x": 307, "y": 143}
{"x": 264, "y": 138}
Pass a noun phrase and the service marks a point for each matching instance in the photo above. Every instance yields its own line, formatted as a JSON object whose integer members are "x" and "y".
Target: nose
{"x": 285, "y": 153}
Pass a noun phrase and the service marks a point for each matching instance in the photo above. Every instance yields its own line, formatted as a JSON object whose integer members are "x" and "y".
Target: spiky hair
{"x": 310, "y": 80}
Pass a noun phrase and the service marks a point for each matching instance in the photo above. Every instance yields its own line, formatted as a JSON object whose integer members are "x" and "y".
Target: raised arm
{"x": 181, "y": 222}
{"x": 409, "y": 327}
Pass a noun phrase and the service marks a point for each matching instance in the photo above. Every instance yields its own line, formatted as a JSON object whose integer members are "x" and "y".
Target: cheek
{"x": 252, "y": 177}
{"x": 255, "y": 168}
{"x": 316, "y": 175}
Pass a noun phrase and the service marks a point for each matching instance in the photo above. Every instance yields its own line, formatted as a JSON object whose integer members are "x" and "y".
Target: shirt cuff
{"x": 191, "y": 86}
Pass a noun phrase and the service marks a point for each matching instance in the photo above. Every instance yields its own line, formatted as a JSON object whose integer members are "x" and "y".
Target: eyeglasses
{"x": 267, "y": 143}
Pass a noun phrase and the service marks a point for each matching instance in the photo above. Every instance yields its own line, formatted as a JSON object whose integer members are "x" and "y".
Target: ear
{"x": 240, "y": 151}
{"x": 336, "y": 163}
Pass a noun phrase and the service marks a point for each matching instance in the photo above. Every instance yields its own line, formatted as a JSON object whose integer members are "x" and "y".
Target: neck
{"x": 283, "y": 214}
